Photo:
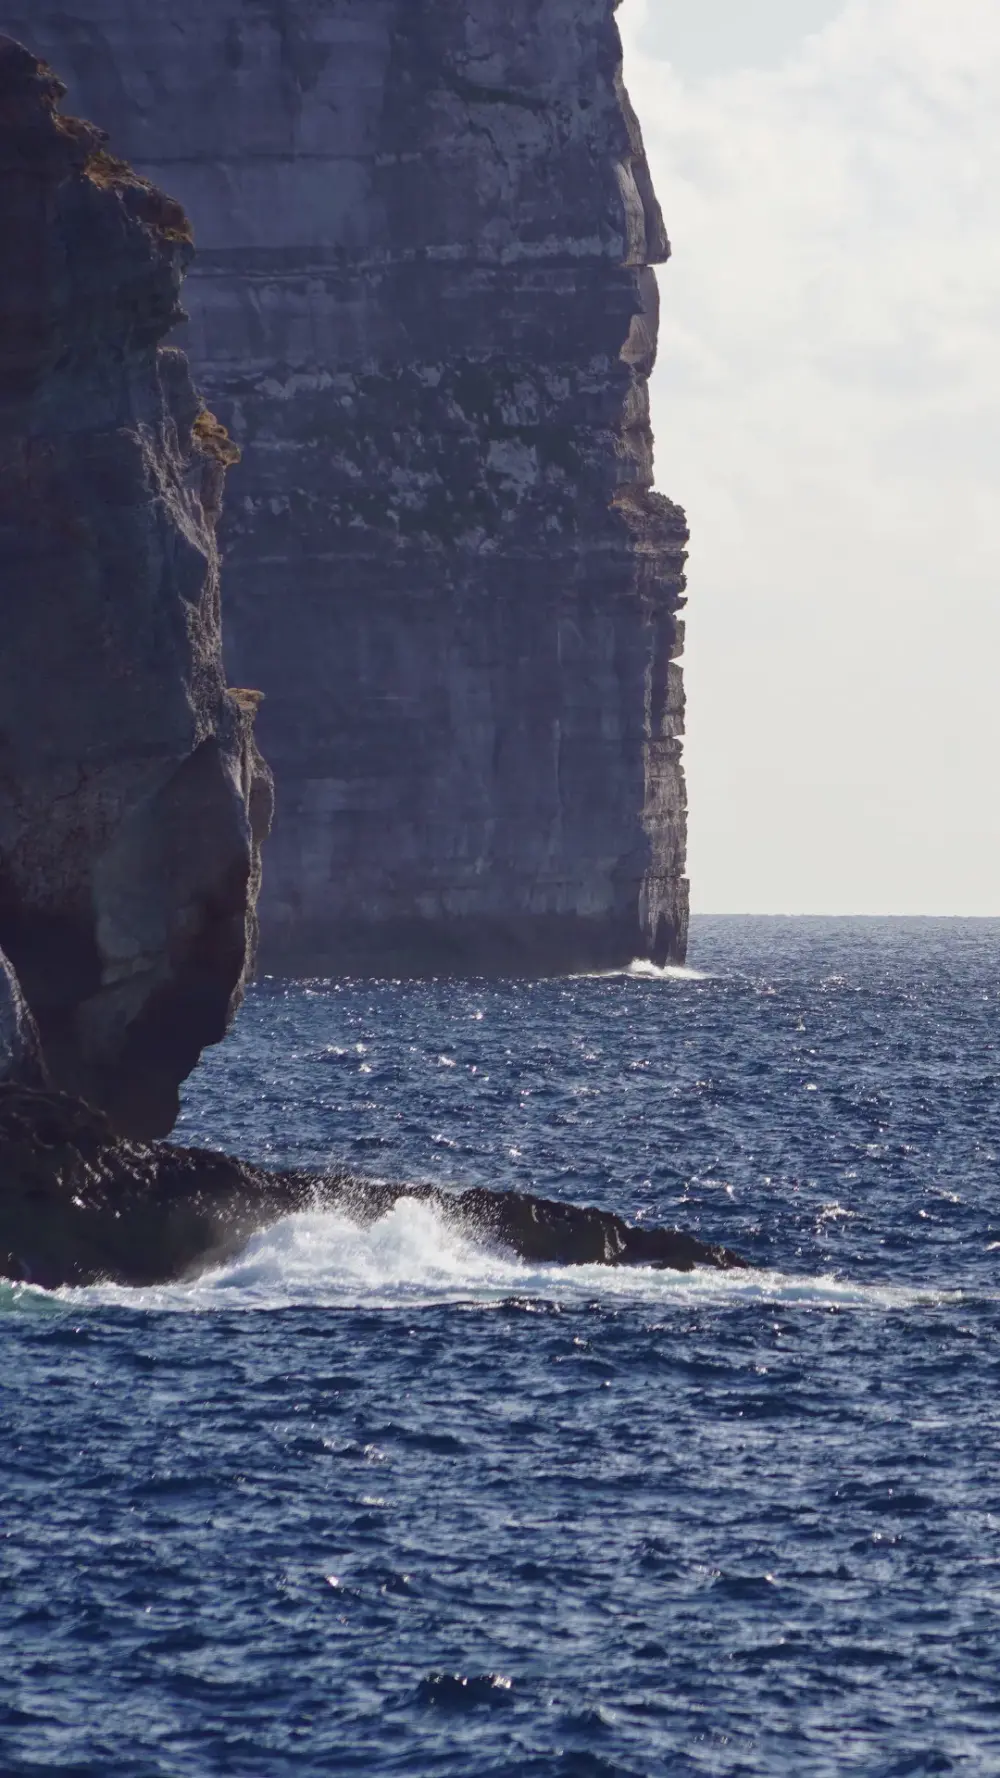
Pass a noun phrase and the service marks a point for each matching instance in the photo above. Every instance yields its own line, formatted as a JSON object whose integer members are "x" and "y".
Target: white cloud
{"x": 828, "y": 408}
{"x": 700, "y": 36}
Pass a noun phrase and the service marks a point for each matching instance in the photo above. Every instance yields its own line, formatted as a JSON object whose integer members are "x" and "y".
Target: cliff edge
{"x": 132, "y": 797}
{"x": 424, "y": 304}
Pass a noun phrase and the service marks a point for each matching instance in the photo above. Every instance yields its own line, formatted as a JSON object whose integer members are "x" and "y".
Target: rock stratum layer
{"x": 132, "y": 798}
{"x": 424, "y": 305}
{"x": 80, "y": 1206}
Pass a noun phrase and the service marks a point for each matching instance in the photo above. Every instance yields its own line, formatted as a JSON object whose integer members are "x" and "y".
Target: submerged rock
{"x": 80, "y": 1206}
{"x": 424, "y": 304}
{"x": 132, "y": 797}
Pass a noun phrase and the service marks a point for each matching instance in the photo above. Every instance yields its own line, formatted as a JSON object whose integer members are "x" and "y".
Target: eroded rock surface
{"x": 424, "y": 304}
{"x": 78, "y": 1206}
{"x": 132, "y": 798}
{"x": 20, "y": 1049}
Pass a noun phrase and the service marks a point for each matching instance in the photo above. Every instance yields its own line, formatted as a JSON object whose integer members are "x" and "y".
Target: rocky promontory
{"x": 80, "y": 1206}
{"x": 424, "y": 303}
{"x": 132, "y": 796}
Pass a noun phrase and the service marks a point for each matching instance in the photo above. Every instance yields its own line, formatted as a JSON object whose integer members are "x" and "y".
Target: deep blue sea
{"x": 384, "y": 1503}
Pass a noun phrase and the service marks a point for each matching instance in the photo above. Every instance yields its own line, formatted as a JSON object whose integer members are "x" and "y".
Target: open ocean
{"x": 383, "y": 1503}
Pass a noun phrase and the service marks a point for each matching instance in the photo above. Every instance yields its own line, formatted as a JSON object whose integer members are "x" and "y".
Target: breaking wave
{"x": 414, "y": 1258}
{"x": 641, "y": 970}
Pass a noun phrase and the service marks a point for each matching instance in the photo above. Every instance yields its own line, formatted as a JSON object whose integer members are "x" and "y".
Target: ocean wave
{"x": 413, "y": 1258}
{"x": 644, "y": 971}
{"x": 641, "y": 970}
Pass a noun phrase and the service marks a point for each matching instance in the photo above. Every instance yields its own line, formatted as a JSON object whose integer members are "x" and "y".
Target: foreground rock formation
{"x": 424, "y": 305}
{"x": 132, "y": 798}
{"x": 80, "y": 1206}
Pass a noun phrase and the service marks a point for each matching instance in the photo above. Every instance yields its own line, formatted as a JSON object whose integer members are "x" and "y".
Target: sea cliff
{"x": 424, "y": 305}
{"x": 132, "y": 796}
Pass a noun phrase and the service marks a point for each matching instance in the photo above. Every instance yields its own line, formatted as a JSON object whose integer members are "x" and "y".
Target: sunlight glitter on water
{"x": 700, "y": 1523}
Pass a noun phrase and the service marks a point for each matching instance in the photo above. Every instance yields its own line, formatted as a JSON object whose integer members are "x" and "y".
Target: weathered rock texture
{"x": 20, "y": 1048}
{"x": 78, "y": 1205}
{"x": 424, "y": 305}
{"x": 131, "y": 795}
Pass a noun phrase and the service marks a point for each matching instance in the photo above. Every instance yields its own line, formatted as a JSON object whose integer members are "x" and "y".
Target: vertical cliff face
{"x": 132, "y": 798}
{"x": 424, "y": 305}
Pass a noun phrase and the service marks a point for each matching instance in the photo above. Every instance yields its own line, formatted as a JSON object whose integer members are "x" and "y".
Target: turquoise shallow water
{"x": 383, "y": 1502}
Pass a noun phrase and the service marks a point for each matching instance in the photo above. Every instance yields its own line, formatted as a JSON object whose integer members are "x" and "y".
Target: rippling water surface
{"x": 383, "y": 1502}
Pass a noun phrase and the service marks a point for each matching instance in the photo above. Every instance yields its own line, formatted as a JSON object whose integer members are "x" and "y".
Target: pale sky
{"x": 827, "y": 407}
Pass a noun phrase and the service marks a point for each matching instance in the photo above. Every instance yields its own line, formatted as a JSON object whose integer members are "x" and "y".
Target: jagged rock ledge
{"x": 79, "y": 1206}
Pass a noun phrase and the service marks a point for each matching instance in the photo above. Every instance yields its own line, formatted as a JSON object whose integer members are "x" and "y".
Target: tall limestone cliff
{"x": 132, "y": 798}
{"x": 424, "y": 305}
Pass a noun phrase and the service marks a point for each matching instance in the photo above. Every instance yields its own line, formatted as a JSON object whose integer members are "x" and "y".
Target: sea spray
{"x": 413, "y": 1257}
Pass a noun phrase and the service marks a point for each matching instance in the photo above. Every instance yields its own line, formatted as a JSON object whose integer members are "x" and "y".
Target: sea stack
{"x": 132, "y": 797}
{"x": 424, "y": 305}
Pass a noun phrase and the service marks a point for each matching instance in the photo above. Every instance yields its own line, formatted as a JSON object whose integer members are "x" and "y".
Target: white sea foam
{"x": 412, "y": 1258}
{"x": 641, "y": 970}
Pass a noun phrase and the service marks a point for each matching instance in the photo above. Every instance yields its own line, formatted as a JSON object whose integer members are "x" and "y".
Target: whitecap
{"x": 414, "y": 1257}
{"x": 642, "y": 970}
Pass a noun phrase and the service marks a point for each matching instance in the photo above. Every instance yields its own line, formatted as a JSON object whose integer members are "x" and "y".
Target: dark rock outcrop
{"x": 424, "y": 304}
{"x": 78, "y": 1206}
{"x": 132, "y": 798}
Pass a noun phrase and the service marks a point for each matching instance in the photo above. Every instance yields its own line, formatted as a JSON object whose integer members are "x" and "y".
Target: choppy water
{"x": 381, "y": 1502}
